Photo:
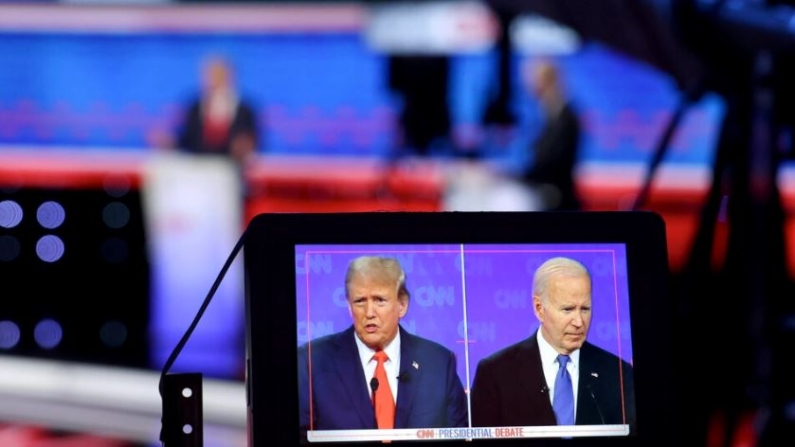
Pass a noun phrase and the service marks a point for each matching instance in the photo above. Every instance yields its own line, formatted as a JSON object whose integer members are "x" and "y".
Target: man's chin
{"x": 573, "y": 345}
{"x": 370, "y": 341}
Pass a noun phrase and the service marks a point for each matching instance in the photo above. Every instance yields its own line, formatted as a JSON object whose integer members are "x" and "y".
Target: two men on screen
{"x": 520, "y": 385}
{"x": 555, "y": 377}
{"x": 341, "y": 381}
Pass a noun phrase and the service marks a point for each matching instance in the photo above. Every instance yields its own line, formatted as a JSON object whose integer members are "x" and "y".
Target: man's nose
{"x": 369, "y": 309}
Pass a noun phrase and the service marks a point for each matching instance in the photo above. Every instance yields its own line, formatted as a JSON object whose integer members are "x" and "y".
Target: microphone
{"x": 596, "y": 402}
{"x": 374, "y": 388}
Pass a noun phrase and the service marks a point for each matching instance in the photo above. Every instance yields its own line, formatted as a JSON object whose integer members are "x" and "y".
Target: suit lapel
{"x": 411, "y": 378}
{"x": 351, "y": 375}
{"x": 533, "y": 389}
{"x": 587, "y": 406}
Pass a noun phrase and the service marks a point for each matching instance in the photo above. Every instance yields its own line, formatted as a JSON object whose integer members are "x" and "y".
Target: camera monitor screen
{"x": 494, "y": 328}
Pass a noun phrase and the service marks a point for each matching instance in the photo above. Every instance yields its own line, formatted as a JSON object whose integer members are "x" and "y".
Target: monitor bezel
{"x": 271, "y": 336}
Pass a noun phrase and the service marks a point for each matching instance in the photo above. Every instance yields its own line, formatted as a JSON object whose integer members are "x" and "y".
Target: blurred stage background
{"x": 108, "y": 244}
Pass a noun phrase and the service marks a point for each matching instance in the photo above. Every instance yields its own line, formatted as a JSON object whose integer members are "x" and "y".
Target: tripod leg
{"x": 660, "y": 150}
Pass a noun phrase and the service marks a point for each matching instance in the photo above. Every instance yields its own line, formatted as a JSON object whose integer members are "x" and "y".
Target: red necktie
{"x": 382, "y": 397}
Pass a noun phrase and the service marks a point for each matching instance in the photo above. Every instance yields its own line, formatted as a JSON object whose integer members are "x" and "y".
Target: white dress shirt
{"x": 392, "y": 365}
{"x": 549, "y": 362}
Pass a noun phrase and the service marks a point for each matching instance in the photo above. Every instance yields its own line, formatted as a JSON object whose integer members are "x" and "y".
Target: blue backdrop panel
{"x": 314, "y": 93}
{"x": 474, "y": 299}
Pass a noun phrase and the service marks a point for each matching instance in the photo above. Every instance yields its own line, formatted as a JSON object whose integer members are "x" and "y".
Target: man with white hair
{"x": 555, "y": 151}
{"x": 555, "y": 376}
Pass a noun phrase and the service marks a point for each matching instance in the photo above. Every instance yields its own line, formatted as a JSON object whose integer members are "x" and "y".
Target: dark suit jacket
{"x": 430, "y": 393}
{"x": 191, "y": 134}
{"x": 510, "y": 390}
{"x": 555, "y": 153}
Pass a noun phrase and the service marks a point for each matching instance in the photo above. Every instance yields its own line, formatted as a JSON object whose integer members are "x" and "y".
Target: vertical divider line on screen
{"x": 466, "y": 331}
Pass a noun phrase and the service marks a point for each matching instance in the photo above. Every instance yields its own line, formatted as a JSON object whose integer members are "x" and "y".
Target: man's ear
{"x": 404, "y": 305}
{"x": 538, "y": 306}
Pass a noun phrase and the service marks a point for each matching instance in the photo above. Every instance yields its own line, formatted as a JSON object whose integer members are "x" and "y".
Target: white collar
{"x": 392, "y": 350}
{"x": 549, "y": 355}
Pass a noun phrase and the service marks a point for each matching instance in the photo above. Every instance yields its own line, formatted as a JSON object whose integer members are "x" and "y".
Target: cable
{"x": 686, "y": 100}
{"x": 184, "y": 340}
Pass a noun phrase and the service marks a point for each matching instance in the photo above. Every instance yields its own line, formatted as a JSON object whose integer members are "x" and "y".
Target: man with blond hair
{"x": 375, "y": 374}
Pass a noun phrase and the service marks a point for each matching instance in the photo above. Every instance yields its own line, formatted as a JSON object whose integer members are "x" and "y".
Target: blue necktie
{"x": 563, "y": 402}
